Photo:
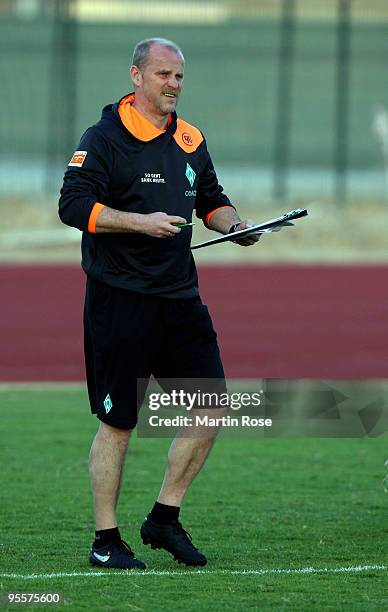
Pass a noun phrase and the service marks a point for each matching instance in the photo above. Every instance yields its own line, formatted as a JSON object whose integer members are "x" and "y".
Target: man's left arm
{"x": 226, "y": 220}
{"x": 215, "y": 209}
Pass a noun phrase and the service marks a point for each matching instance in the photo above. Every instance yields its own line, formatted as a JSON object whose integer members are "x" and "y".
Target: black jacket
{"x": 171, "y": 172}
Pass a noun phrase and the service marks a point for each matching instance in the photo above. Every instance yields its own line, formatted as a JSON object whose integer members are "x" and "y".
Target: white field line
{"x": 248, "y": 572}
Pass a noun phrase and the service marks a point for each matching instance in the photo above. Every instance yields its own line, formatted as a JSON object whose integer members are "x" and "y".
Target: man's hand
{"x": 225, "y": 218}
{"x": 160, "y": 225}
{"x": 247, "y": 240}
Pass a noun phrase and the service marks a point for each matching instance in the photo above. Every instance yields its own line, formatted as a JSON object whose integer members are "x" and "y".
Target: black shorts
{"x": 131, "y": 336}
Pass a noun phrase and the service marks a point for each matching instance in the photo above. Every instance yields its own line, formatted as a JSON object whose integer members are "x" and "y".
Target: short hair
{"x": 142, "y": 50}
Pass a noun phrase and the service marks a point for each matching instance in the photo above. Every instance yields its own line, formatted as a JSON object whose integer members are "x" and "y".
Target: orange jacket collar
{"x": 135, "y": 123}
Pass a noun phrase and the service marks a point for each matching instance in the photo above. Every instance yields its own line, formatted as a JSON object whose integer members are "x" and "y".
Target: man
{"x": 137, "y": 175}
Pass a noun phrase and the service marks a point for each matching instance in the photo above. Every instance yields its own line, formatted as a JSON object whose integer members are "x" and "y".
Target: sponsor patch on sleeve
{"x": 78, "y": 158}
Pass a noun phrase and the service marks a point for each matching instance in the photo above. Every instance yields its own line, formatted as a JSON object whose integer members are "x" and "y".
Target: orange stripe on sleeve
{"x": 96, "y": 210}
{"x": 211, "y": 213}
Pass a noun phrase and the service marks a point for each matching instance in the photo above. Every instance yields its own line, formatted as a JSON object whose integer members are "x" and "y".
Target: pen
{"x": 183, "y": 224}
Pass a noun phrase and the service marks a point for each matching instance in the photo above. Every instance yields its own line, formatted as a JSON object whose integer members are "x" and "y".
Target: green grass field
{"x": 259, "y": 505}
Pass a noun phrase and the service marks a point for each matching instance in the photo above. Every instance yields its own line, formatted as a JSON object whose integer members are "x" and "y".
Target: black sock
{"x": 163, "y": 514}
{"x": 104, "y": 536}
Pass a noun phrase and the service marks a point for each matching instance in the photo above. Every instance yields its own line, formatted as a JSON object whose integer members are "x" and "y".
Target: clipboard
{"x": 262, "y": 228}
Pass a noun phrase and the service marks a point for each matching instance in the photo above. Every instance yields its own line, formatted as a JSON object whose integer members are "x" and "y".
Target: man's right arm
{"x": 86, "y": 189}
{"x": 157, "y": 225}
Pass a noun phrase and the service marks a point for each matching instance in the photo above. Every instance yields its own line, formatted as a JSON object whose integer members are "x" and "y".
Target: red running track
{"x": 273, "y": 321}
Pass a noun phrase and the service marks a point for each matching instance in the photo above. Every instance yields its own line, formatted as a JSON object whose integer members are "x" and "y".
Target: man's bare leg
{"x": 187, "y": 454}
{"x": 186, "y": 458}
{"x": 106, "y": 462}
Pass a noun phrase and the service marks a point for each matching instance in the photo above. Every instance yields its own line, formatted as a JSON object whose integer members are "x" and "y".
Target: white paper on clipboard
{"x": 261, "y": 228}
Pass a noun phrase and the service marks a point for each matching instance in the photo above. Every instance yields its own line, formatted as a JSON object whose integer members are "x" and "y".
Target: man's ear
{"x": 136, "y": 76}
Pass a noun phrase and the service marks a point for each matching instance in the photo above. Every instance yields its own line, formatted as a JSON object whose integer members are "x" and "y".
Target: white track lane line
{"x": 248, "y": 572}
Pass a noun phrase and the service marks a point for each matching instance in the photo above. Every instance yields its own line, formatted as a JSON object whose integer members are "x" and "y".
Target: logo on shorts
{"x": 108, "y": 404}
{"x": 190, "y": 174}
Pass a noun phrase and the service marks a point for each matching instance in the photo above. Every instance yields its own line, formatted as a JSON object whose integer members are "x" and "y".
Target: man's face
{"x": 160, "y": 81}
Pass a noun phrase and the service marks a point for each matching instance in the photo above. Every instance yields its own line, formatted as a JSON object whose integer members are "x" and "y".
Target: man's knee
{"x": 206, "y": 422}
{"x": 114, "y": 434}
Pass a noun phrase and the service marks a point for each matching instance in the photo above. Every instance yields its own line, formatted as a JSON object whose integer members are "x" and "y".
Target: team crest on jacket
{"x": 190, "y": 174}
{"x": 78, "y": 158}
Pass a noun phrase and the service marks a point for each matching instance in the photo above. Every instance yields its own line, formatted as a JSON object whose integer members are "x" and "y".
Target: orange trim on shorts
{"x": 211, "y": 213}
{"x": 96, "y": 211}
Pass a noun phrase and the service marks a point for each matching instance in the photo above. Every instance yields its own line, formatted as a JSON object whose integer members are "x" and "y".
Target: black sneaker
{"x": 115, "y": 554}
{"x": 173, "y": 538}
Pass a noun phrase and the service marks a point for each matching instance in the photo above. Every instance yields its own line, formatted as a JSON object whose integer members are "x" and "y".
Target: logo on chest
{"x": 190, "y": 175}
